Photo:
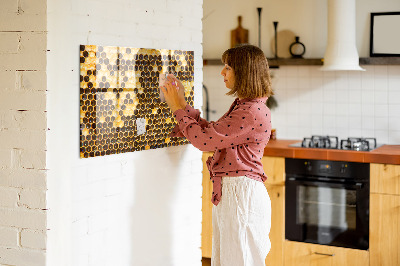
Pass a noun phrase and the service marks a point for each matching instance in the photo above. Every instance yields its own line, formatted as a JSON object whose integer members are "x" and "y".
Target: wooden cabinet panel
{"x": 385, "y": 178}
{"x": 384, "y": 230}
{"x": 274, "y": 168}
{"x": 304, "y": 254}
{"x": 277, "y": 233}
{"x": 206, "y": 226}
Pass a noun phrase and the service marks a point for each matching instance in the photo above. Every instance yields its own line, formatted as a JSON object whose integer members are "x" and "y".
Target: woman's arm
{"x": 239, "y": 127}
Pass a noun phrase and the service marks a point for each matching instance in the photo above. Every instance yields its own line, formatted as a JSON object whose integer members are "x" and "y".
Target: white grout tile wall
{"x": 139, "y": 208}
{"x": 344, "y": 103}
{"x": 313, "y": 102}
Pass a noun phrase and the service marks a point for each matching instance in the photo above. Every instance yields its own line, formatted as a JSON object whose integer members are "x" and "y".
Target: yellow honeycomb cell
{"x": 85, "y": 132}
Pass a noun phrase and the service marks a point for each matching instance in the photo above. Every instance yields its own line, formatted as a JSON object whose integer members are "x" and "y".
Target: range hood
{"x": 341, "y": 51}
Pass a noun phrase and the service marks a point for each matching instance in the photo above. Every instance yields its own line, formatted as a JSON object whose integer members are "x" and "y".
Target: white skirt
{"x": 241, "y": 223}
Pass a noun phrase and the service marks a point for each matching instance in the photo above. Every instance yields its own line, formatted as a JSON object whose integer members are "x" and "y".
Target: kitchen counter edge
{"x": 386, "y": 154}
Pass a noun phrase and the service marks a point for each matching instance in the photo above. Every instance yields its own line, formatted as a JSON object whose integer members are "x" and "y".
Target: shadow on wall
{"x": 155, "y": 191}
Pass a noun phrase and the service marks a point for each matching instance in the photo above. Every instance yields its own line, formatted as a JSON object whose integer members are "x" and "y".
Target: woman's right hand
{"x": 181, "y": 92}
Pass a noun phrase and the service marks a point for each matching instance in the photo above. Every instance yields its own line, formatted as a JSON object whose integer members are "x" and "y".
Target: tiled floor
{"x": 206, "y": 261}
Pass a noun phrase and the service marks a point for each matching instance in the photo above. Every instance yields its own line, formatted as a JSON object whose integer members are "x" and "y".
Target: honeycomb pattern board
{"x": 120, "y": 106}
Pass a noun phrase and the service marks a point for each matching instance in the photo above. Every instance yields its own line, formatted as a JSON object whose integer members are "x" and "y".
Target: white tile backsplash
{"x": 381, "y": 83}
{"x": 394, "y": 97}
{"x": 381, "y": 97}
{"x": 394, "y": 110}
{"x": 343, "y": 103}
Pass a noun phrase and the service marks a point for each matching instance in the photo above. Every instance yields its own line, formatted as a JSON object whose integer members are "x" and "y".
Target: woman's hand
{"x": 174, "y": 93}
{"x": 181, "y": 92}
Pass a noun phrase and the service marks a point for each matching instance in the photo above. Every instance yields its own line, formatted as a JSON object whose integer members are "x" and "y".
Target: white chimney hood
{"x": 341, "y": 51}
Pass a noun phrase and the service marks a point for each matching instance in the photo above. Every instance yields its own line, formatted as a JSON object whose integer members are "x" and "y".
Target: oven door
{"x": 327, "y": 213}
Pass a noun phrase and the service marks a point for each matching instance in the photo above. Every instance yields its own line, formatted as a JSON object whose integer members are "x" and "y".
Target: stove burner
{"x": 332, "y": 142}
{"x": 328, "y": 142}
{"x": 358, "y": 144}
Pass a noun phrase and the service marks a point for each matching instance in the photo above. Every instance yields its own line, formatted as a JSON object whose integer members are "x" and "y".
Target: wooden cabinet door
{"x": 384, "y": 237}
{"x": 277, "y": 233}
{"x": 274, "y": 168}
{"x": 385, "y": 178}
{"x": 304, "y": 254}
{"x": 206, "y": 226}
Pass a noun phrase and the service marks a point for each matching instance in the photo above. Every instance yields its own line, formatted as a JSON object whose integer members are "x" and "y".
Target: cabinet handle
{"x": 324, "y": 254}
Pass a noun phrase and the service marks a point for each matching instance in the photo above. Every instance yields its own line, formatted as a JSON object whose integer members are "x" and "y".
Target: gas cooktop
{"x": 332, "y": 142}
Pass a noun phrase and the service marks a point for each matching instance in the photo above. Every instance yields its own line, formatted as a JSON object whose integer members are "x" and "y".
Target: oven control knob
{"x": 343, "y": 168}
{"x": 308, "y": 166}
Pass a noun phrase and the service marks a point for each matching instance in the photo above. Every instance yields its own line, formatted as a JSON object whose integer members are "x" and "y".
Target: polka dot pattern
{"x": 238, "y": 139}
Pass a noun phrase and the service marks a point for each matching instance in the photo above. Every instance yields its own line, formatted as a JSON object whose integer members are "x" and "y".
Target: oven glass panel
{"x": 326, "y": 207}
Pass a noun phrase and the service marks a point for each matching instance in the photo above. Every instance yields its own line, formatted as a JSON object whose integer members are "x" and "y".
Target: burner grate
{"x": 327, "y": 142}
{"x": 332, "y": 142}
{"x": 358, "y": 144}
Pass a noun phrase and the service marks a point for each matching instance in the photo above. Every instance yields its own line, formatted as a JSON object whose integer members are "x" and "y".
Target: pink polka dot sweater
{"x": 238, "y": 139}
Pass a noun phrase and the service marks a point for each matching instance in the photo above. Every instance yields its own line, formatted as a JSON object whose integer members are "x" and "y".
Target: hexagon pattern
{"x": 119, "y": 91}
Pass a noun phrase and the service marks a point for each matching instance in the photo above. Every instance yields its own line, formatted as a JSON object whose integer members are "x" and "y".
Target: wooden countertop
{"x": 389, "y": 154}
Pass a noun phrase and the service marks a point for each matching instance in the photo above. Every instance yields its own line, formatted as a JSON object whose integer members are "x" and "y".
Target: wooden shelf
{"x": 274, "y": 63}
{"x": 380, "y": 61}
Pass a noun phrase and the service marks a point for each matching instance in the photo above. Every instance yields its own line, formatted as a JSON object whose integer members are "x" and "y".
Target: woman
{"x": 242, "y": 211}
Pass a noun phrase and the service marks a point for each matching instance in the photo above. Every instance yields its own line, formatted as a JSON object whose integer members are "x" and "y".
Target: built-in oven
{"x": 327, "y": 202}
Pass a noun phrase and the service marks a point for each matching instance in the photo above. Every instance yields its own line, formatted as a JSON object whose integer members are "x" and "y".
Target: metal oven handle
{"x": 357, "y": 185}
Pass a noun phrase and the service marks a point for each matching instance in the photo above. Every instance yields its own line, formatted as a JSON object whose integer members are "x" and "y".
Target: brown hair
{"x": 250, "y": 66}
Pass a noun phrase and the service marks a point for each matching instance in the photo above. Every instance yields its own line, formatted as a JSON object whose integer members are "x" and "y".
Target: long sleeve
{"x": 231, "y": 130}
{"x": 193, "y": 113}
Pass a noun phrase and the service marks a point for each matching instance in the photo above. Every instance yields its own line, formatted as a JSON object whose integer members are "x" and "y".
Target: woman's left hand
{"x": 170, "y": 90}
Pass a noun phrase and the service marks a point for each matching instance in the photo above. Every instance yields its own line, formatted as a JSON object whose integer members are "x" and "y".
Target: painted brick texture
{"x": 23, "y": 125}
{"x": 140, "y": 208}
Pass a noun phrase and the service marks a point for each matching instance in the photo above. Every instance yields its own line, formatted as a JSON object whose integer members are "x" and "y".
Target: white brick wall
{"x": 22, "y": 132}
{"x": 33, "y": 239}
{"x": 140, "y": 208}
{"x": 100, "y": 209}
{"x": 9, "y": 237}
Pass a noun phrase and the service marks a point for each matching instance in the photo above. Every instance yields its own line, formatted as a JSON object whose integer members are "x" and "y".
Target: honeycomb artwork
{"x": 120, "y": 106}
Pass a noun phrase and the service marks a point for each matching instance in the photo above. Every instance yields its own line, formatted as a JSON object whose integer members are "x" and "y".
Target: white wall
{"x": 311, "y": 102}
{"x": 306, "y": 19}
{"x": 23, "y": 133}
{"x": 140, "y": 208}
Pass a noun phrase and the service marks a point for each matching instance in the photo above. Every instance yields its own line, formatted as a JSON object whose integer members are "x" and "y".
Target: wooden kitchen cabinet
{"x": 385, "y": 215}
{"x": 385, "y": 178}
{"x": 305, "y": 254}
{"x": 274, "y": 168}
{"x": 277, "y": 233}
{"x": 206, "y": 225}
{"x": 384, "y": 236}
